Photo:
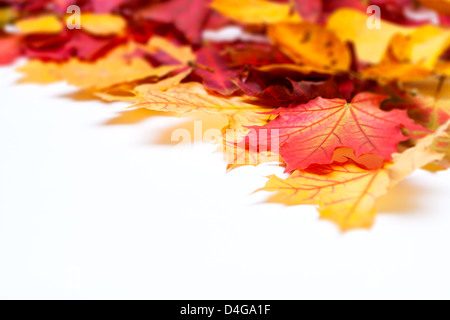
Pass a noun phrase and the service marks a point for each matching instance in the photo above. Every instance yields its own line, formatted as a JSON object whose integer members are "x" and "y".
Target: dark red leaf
{"x": 189, "y": 16}
{"x": 215, "y": 72}
{"x": 254, "y": 54}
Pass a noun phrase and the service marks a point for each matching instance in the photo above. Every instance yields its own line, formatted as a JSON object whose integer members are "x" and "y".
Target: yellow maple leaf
{"x": 396, "y": 72}
{"x": 48, "y": 24}
{"x": 346, "y": 193}
{"x": 412, "y": 57}
{"x": 103, "y": 24}
{"x": 255, "y": 11}
{"x": 423, "y": 46}
{"x": 189, "y": 97}
{"x": 426, "y": 45}
{"x": 311, "y": 45}
{"x": 370, "y": 44}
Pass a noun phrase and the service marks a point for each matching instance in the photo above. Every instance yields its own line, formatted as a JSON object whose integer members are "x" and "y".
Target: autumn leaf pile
{"x": 349, "y": 109}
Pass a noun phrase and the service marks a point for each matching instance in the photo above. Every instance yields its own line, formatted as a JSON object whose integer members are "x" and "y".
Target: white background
{"x": 96, "y": 202}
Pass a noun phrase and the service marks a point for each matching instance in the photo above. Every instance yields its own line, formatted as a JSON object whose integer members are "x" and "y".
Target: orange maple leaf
{"x": 346, "y": 193}
{"x": 311, "y": 45}
{"x": 189, "y": 97}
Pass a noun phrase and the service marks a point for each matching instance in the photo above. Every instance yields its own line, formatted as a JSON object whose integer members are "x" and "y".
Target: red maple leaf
{"x": 310, "y": 133}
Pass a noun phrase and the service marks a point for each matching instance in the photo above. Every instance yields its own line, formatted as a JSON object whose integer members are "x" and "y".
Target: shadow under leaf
{"x": 83, "y": 96}
{"x": 405, "y": 198}
{"x": 133, "y": 116}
